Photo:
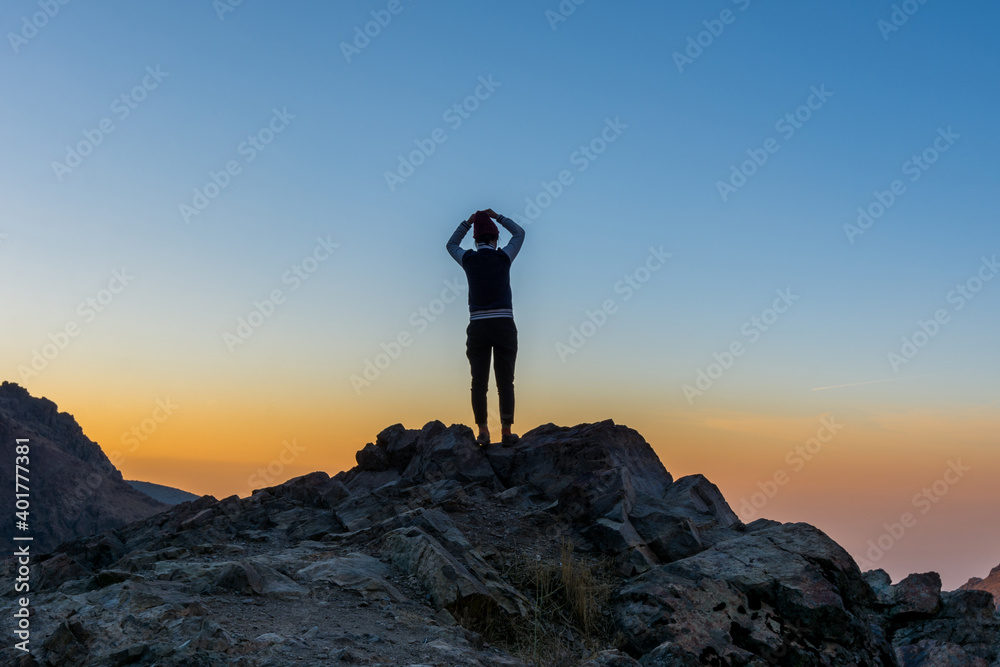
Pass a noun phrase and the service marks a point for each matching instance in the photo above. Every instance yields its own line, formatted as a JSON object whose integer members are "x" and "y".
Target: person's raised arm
{"x": 455, "y": 242}
{"x": 517, "y": 236}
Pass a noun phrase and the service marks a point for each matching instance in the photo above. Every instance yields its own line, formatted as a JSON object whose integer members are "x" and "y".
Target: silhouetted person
{"x": 491, "y": 316}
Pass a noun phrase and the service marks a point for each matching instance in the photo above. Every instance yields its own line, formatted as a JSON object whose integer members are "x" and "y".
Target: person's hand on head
{"x": 490, "y": 212}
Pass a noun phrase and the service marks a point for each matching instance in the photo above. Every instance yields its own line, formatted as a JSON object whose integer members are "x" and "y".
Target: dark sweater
{"x": 488, "y": 270}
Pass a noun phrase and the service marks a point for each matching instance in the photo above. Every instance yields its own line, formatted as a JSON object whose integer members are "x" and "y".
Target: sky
{"x": 761, "y": 234}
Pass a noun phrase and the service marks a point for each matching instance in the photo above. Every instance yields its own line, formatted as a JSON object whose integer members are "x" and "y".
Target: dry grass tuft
{"x": 569, "y": 615}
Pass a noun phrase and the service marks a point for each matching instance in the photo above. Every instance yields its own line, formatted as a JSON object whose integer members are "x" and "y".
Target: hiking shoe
{"x": 483, "y": 439}
{"x": 510, "y": 439}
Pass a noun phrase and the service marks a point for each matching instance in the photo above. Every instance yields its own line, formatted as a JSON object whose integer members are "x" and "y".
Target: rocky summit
{"x": 573, "y": 547}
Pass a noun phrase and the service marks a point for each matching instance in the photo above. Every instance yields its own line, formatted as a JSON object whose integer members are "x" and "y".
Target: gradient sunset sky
{"x": 652, "y": 114}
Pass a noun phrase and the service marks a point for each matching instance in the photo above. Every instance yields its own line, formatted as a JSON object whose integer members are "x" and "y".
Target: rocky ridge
{"x": 574, "y": 547}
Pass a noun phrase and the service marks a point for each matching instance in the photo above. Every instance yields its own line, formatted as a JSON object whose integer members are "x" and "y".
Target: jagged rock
{"x": 608, "y": 481}
{"x": 551, "y": 458}
{"x": 967, "y": 618}
{"x": 612, "y": 536}
{"x": 315, "y": 525}
{"x": 669, "y": 537}
{"x": 700, "y": 498}
{"x": 449, "y": 582}
{"x": 372, "y": 458}
{"x": 916, "y": 596}
{"x": 446, "y": 581}
{"x": 257, "y": 578}
{"x": 743, "y": 598}
{"x": 399, "y": 445}
{"x": 315, "y": 489}
{"x": 881, "y": 585}
{"x": 599, "y": 494}
{"x": 991, "y": 584}
{"x": 930, "y": 653}
{"x": 449, "y": 454}
{"x": 53, "y": 572}
{"x": 356, "y": 572}
{"x": 67, "y": 645}
{"x": 432, "y": 454}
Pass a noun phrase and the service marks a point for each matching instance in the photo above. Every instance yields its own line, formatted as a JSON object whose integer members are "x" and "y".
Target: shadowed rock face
{"x": 376, "y": 565}
{"x": 990, "y": 584}
{"x": 75, "y": 490}
{"x": 552, "y": 458}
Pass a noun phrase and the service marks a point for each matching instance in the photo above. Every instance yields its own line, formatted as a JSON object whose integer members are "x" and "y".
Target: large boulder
{"x": 551, "y": 458}
{"x": 917, "y": 596}
{"x": 607, "y": 481}
{"x": 783, "y": 591}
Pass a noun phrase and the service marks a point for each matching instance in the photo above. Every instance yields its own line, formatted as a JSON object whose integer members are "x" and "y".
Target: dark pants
{"x": 496, "y": 336}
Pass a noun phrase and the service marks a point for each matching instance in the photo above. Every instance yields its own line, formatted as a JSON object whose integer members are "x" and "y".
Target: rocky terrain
{"x": 991, "y": 584}
{"x": 574, "y": 547}
{"x": 75, "y": 490}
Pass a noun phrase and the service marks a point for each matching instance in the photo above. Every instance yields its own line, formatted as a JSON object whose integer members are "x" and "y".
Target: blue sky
{"x": 323, "y": 176}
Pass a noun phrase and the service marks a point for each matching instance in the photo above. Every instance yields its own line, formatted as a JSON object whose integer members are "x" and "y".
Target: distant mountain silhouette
{"x": 74, "y": 490}
{"x": 165, "y": 494}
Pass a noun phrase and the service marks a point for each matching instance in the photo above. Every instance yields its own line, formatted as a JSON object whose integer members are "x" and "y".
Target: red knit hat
{"x": 483, "y": 228}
